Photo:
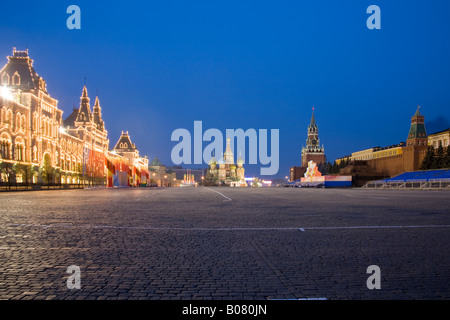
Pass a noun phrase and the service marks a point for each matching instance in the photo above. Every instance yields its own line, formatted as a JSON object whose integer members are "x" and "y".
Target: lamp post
{"x": 203, "y": 178}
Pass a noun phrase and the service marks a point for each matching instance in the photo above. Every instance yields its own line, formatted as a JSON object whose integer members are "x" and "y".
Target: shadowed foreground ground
{"x": 225, "y": 243}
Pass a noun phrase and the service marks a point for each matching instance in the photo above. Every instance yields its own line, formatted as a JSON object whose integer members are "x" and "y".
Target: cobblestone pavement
{"x": 225, "y": 243}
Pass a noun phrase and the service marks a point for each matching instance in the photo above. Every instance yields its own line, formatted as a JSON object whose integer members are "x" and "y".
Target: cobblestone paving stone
{"x": 192, "y": 243}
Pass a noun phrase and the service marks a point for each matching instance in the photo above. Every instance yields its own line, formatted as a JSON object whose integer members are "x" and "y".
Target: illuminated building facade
{"x": 439, "y": 138}
{"x": 137, "y": 165}
{"x": 36, "y": 145}
{"x": 374, "y": 153}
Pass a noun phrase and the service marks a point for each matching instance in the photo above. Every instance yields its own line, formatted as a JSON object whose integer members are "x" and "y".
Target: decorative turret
{"x": 156, "y": 162}
{"x": 417, "y": 133}
{"x": 98, "y": 115}
{"x": 84, "y": 112}
{"x": 124, "y": 143}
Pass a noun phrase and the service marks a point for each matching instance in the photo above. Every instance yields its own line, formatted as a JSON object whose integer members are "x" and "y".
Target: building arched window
{"x": 35, "y": 122}
{"x": 19, "y": 176}
{"x": 19, "y": 149}
{"x": 51, "y": 129}
{"x": 5, "y": 146}
{"x": 4, "y": 149}
{"x": 22, "y": 122}
{"x": 16, "y": 79}
{"x": 61, "y": 161}
{"x": 20, "y": 153}
{"x": 18, "y": 118}
{"x": 125, "y": 145}
{"x": 9, "y": 117}
{"x": 5, "y": 79}
{"x": 34, "y": 153}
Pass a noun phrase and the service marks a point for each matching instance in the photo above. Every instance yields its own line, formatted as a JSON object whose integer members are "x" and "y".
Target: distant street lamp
{"x": 203, "y": 178}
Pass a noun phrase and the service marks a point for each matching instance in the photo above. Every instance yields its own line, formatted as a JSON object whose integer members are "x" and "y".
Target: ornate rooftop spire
{"x": 84, "y": 112}
{"x": 313, "y": 149}
{"x": 313, "y": 119}
{"x": 98, "y": 114}
{"x": 228, "y": 156}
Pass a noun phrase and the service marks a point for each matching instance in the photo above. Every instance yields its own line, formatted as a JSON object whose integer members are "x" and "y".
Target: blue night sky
{"x": 160, "y": 65}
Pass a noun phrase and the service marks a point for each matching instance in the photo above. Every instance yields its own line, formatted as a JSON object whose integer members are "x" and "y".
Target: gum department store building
{"x": 38, "y": 146}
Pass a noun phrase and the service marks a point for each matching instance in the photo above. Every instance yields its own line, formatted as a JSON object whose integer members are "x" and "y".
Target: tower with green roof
{"x": 417, "y": 134}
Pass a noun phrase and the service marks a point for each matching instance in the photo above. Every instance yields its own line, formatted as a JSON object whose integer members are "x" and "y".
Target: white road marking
{"x": 300, "y": 299}
{"x": 229, "y": 199}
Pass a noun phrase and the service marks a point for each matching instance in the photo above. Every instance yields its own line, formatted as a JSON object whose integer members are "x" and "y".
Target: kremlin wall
{"x": 375, "y": 163}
